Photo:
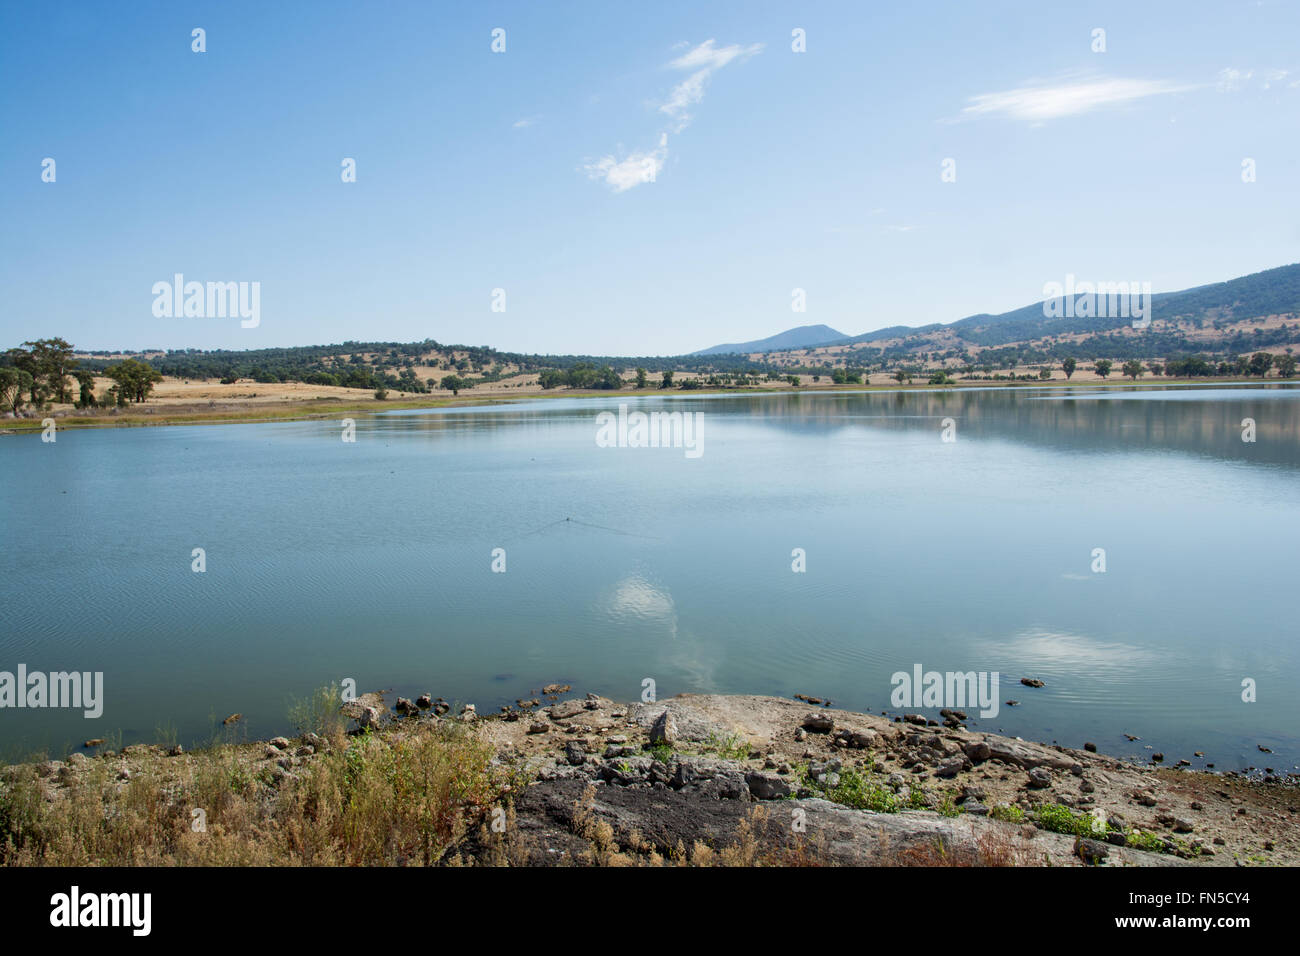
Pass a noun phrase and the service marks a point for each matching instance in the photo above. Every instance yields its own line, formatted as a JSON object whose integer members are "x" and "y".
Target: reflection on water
{"x": 373, "y": 560}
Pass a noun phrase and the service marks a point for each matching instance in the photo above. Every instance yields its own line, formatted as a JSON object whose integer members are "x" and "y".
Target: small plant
{"x": 1008, "y": 813}
{"x": 1141, "y": 840}
{"x": 854, "y": 790}
{"x": 318, "y": 713}
{"x": 661, "y": 752}
{"x": 732, "y": 747}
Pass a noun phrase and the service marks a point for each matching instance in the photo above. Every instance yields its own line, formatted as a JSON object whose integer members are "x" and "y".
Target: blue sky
{"x": 530, "y": 170}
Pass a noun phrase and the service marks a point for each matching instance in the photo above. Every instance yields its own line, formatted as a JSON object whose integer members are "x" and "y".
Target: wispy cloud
{"x": 705, "y": 60}
{"x": 1044, "y": 102}
{"x": 622, "y": 174}
{"x": 1231, "y": 80}
{"x": 525, "y": 122}
{"x": 642, "y": 167}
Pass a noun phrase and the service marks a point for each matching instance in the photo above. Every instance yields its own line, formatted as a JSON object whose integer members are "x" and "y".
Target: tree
{"x": 1133, "y": 369}
{"x": 54, "y": 362}
{"x": 381, "y": 393}
{"x": 454, "y": 383}
{"x": 1103, "y": 366}
{"x": 1285, "y": 365}
{"x": 1260, "y": 363}
{"x": 24, "y": 361}
{"x": 668, "y": 379}
{"x": 900, "y": 376}
{"x": 86, "y": 379}
{"x": 13, "y": 382}
{"x": 794, "y": 381}
{"x": 1068, "y": 365}
{"x": 135, "y": 380}
{"x": 640, "y": 378}
{"x": 1156, "y": 368}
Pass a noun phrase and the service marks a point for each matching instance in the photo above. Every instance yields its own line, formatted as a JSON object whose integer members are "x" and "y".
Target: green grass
{"x": 1008, "y": 813}
{"x": 731, "y": 747}
{"x": 855, "y": 789}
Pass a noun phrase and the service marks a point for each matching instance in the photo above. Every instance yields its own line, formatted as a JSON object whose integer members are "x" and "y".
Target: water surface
{"x": 372, "y": 560}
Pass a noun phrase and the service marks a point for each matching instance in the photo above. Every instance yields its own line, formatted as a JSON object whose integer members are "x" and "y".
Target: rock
{"x": 404, "y": 705}
{"x": 1039, "y": 779}
{"x": 800, "y": 734}
{"x": 1090, "y": 747}
{"x": 917, "y": 719}
{"x": 575, "y": 752}
{"x": 978, "y": 751}
{"x": 570, "y": 708}
{"x": 176, "y": 751}
{"x": 279, "y": 743}
{"x": 767, "y": 786}
{"x": 233, "y": 718}
{"x": 627, "y": 771}
{"x": 1031, "y": 682}
{"x": 316, "y": 741}
{"x": 951, "y": 767}
{"x": 972, "y": 792}
{"x": 818, "y": 723}
{"x": 664, "y": 729}
{"x": 859, "y": 739}
{"x": 556, "y": 689}
{"x": 1157, "y": 758}
{"x": 365, "y": 710}
{"x": 306, "y": 750}
{"x": 538, "y": 727}
{"x": 1091, "y": 852}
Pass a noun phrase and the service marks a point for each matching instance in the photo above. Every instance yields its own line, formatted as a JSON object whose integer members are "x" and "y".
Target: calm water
{"x": 372, "y": 560}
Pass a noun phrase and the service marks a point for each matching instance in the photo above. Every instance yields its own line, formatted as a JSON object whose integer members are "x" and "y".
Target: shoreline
{"x": 325, "y": 408}
{"x": 584, "y": 779}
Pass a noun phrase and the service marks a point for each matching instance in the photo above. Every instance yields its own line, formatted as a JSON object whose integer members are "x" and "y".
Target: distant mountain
{"x": 1272, "y": 292}
{"x": 805, "y": 336}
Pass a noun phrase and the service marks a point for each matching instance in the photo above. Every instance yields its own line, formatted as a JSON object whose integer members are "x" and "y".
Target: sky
{"x": 634, "y": 179}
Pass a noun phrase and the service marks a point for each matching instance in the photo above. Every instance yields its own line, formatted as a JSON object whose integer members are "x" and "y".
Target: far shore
{"x": 190, "y": 403}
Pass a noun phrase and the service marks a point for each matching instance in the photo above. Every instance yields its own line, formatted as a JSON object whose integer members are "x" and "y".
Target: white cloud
{"x": 643, "y": 167}
{"x": 1047, "y": 102}
{"x": 622, "y": 174}
{"x": 705, "y": 60}
{"x": 1230, "y": 80}
{"x": 526, "y": 122}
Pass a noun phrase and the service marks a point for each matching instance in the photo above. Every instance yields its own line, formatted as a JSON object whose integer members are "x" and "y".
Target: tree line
{"x": 41, "y": 372}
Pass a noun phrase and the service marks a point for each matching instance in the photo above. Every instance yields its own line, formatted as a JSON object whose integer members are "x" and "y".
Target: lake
{"x": 373, "y": 560}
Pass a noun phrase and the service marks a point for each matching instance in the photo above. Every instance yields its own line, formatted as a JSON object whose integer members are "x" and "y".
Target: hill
{"x": 805, "y": 336}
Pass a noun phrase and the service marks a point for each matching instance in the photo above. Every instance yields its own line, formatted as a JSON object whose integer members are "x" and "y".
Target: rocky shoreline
{"x": 762, "y": 780}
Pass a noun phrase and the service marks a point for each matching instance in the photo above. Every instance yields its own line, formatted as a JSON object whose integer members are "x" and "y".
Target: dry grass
{"x": 390, "y": 800}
